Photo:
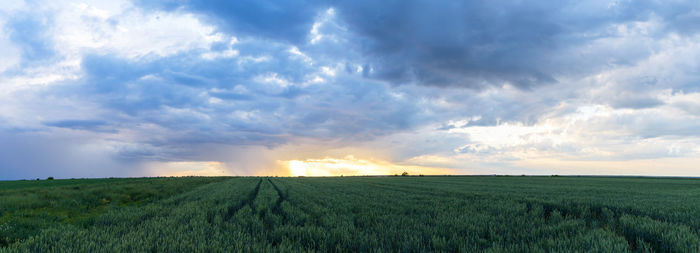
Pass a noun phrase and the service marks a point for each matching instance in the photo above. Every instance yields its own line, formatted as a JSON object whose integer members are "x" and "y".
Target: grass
{"x": 27, "y": 207}
{"x": 352, "y": 214}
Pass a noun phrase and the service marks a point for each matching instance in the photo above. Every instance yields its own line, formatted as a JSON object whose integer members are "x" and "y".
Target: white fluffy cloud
{"x": 116, "y": 28}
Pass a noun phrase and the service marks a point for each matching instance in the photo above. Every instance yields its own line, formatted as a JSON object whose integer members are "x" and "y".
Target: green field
{"x": 352, "y": 214}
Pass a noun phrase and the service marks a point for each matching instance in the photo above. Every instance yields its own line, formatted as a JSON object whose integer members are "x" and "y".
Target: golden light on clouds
{"x": 351, "y": 166}
{"x": 674, "y": 166}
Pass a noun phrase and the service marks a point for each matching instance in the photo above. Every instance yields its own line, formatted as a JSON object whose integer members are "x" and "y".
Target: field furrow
{"x": 248, "y": 201}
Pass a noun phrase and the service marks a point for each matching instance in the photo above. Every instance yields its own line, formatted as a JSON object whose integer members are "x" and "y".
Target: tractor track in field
{"x": 283, "y": 196}
{"x": 249, "y": 201}
{"x": 277, "y": 209}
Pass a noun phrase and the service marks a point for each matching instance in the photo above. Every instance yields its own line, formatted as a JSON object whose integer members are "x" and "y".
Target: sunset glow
{"x": 350, "y": 166}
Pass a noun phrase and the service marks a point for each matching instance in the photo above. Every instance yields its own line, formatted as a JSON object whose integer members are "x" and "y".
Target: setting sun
{"x": 351, "y": 166}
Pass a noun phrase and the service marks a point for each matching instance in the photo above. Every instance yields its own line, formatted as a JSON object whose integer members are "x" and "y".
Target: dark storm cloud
{"x": 473, "y": 44}
{"x": 453, "y": 43}
{"x": 482, "y": 43}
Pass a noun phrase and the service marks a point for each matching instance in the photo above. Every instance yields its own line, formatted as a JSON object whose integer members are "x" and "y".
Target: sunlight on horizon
{"x": 352, "y": 166}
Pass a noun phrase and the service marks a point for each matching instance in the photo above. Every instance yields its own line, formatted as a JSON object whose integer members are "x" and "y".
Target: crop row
{"x": 412, "y": 214}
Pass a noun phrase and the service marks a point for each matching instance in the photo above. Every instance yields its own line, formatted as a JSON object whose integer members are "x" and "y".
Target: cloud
{"x": 92, "y": 125}
{"x": 280, "y": 20}
{"x": 30, "y": 34}
{"x": 238, "y": 86}
{"x": 463, "y": 44}
{"x": 477, "y": 44}
{"x": 28, "y": 155}
{"x": 164, "y": 104}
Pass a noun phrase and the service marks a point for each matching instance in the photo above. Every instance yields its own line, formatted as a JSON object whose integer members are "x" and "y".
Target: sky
{"x": 119, "y": 88}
